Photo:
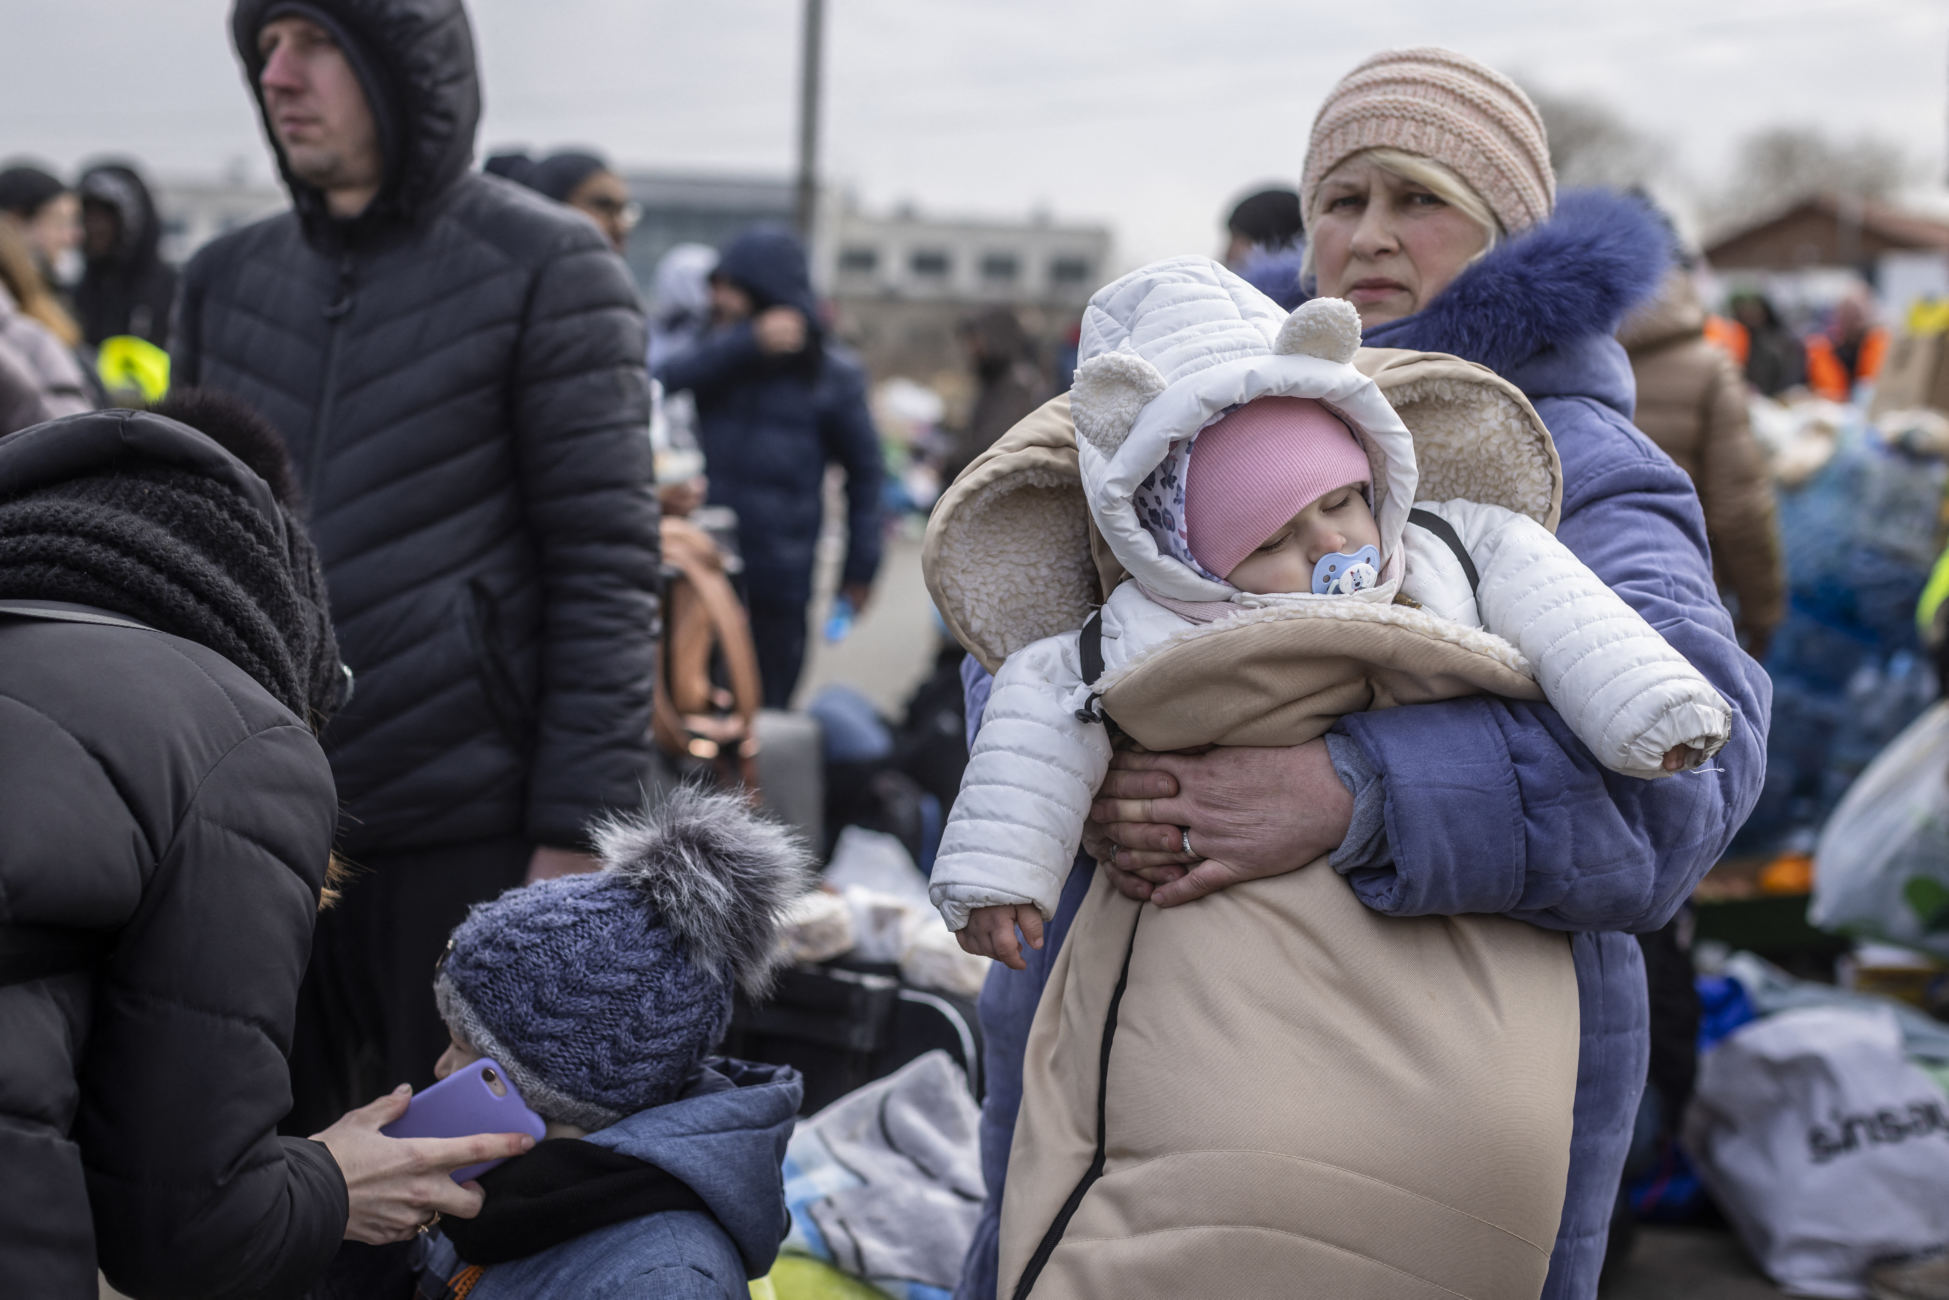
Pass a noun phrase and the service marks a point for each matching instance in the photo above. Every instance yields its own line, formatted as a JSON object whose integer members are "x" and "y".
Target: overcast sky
{"x": 1146, "y": 114}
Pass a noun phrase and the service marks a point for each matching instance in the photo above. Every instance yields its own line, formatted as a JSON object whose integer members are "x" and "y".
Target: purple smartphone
{"x": 477, "y": 1098}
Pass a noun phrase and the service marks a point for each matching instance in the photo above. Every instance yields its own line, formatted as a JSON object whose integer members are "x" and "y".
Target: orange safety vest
{"x": 1727, "y": 333}
{"x": 1828, "y": 377}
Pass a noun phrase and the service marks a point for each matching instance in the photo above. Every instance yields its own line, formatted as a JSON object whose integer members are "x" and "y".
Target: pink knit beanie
{"x": 1256, "y": 468}
{"x": 1447, "y": 107}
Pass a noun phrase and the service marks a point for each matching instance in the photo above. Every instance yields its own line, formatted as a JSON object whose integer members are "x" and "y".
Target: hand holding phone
{"x": 477, "y": 1098}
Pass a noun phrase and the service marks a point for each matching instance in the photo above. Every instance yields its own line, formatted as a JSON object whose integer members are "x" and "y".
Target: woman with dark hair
{"x": 44, "y": 212}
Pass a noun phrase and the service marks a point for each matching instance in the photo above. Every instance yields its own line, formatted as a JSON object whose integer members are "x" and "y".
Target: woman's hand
{"x": 396, "y": 1186}
{"x": 1251, "y": 813}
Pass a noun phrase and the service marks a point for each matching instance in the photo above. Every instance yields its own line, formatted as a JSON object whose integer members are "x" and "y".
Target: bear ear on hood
{"x": 1109, "y": 392}
{"x": 1328, "y": 328}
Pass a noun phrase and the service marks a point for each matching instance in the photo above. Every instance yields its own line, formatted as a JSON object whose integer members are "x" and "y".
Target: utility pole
{"x": 810, "y": 57}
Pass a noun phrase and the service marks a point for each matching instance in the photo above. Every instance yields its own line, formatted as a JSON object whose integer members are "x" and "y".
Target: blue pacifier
{"x": 1340, "y": 574}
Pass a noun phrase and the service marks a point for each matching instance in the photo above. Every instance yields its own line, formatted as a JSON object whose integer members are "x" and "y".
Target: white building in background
{"x": 901, "y": 282}
{"x": 910, "y": 256}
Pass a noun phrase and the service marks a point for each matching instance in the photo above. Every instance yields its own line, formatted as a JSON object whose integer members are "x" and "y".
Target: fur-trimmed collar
{"x": 1576, "y": 275}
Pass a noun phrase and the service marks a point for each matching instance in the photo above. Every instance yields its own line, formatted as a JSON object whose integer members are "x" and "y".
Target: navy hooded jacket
{"x": 769, "y": 426}
{"x": 725, "y": 1139}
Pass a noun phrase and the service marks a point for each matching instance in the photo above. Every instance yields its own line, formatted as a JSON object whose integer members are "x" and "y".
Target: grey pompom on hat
{"x": 600, "y": 994}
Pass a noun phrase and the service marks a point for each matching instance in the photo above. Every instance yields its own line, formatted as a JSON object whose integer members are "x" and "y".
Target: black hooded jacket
{"x": 158, "y": 800}
{"x": 127, "y": 290}
{"x": 459, "y": 375}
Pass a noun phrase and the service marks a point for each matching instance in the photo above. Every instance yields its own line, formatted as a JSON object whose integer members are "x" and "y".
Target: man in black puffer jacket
{"x": 457, "y": 367}
{"x": 777, "y": 402}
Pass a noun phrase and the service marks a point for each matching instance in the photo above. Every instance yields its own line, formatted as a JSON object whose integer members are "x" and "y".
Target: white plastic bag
{"x": 1881, "y": 868}
{"x": 1824, "y": 1146}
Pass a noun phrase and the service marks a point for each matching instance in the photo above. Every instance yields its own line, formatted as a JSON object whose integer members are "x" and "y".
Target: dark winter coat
{"x": 770, "y": 425}
{"x": 127, "y": 290}
{"x": 157, "y": 798}
{"x": 724, "y": 1139}
{"x": 459, "y": 375}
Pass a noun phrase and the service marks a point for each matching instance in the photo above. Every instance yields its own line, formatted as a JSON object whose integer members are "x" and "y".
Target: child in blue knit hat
{"x": 601, "y": 997}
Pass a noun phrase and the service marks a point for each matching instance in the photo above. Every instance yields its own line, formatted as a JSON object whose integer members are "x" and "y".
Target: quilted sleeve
{"x": 1018, "y": 821}
{"x": 846, "y": 428}
{"x": 581, "y": 403}
{"x": 716, "y": 360}
{"x": 194, "y": 1193}
{"x": 1628, "y": 696}
{"x": 186, "y": 323}
{"x": 1494, "y": 805}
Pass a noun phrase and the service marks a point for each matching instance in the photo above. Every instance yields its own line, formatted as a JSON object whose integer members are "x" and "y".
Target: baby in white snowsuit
{"x": 1241, "y": 486}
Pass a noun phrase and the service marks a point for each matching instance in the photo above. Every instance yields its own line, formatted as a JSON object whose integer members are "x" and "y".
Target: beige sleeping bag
{"x": 1274, "y": 1091}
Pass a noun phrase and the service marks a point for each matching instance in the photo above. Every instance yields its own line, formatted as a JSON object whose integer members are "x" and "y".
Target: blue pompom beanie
{"x": 600, "y": 994}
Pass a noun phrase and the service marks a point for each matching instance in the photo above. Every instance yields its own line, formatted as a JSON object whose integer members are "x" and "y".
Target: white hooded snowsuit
{"x": 1216, "y": 343}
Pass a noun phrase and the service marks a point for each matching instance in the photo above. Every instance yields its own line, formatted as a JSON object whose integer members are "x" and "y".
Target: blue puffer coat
{"x": 1491, "y": 805}
{"x": 769, "y": 426}
{"x": 725, "y": 1139}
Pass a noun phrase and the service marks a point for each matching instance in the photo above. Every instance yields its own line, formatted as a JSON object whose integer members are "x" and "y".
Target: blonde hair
{"x": 1437, "y": 178}
{"x": 22, "y": 281}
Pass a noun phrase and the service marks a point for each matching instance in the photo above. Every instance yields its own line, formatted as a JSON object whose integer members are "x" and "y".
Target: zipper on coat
{"x": 335, "y": 313}
{"x": 1053, "y": 1238}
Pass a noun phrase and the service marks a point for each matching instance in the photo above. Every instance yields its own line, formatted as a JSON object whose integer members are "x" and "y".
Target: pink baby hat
{"x": 1252, "y": 470}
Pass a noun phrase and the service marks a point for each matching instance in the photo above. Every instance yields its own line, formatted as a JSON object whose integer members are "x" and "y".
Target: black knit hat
{"x": 25, "y": 189}
{"x": 146, "y": 517}
{"x": 1269, "y": 218}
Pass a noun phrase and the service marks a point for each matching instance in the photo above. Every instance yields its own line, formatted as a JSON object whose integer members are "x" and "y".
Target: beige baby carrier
{"x": 1275, "y": 1091}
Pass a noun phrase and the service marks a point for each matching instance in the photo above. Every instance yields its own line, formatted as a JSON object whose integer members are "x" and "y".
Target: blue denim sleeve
{"x": 1366, "y": 844}
{"x": 976, "y": 683}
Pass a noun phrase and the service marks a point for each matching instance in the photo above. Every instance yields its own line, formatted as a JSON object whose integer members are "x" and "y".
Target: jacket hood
{"x": 725, "y": 1138}
{"x": 415, "y": 59}
{"x": 97, "y": 441}
{"x": 681, "y": 288}
{"x": 768, "y": 262}
{"x": 122, "y": 189}
{"x": 1010, "y": 555}
{"x": 1574, "y": 276}
{"x": 1674, "y": 314}
{"x": 1171, "y": 347}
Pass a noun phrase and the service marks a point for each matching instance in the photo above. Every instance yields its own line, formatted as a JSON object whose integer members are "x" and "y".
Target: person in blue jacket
{"x": 778, "y": 401}
{"x": 600, "y": 997}
{"x": 1431, "y": 205}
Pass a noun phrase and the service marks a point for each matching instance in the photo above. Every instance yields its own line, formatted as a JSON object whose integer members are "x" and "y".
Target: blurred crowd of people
{"x": 409, "y": 475}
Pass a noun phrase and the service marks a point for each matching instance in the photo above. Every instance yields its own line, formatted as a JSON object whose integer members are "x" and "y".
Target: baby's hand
{"x": 990, "y": 932}
{"x": 1679, "y": 757}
